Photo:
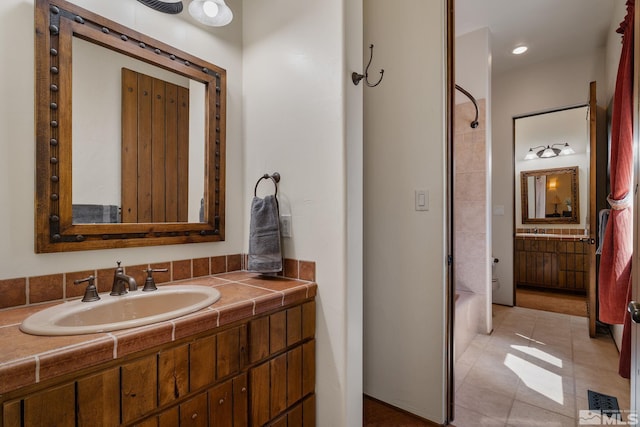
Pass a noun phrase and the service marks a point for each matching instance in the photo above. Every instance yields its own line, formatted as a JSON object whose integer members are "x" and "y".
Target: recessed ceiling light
{"x": 519, "y": 50}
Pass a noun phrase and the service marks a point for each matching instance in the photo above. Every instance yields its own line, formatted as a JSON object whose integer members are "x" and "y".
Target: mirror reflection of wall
{"x": 562, "y": 126}
{"x": 97, "y": 131}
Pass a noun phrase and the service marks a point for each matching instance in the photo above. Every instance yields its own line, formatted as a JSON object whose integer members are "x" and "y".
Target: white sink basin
{"x": 112, "y": 313}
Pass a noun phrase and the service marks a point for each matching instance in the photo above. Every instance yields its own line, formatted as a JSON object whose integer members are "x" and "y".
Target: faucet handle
{"x": 150, "y": 283}
{"x": 91, "y": 293}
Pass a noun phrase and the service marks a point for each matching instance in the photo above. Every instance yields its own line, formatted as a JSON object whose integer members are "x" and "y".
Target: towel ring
{"x": 275, "y": 178}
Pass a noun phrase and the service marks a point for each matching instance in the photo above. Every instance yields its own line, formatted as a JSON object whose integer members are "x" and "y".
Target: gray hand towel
{"x": 264, "y": 236}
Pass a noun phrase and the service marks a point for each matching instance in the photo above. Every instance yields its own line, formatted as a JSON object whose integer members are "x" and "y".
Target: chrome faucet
{"x": 120, "y": 280}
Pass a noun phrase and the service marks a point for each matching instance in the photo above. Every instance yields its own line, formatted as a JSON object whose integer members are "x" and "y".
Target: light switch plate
{"x": 422, "y": 200}
{"x": 285, "y": 225}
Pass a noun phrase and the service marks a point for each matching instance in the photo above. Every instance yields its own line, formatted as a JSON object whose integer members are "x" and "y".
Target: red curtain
{"x": 615, "y": 262}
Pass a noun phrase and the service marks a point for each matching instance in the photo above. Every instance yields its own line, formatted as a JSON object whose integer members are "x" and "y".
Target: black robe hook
{"x": 355, "y": 77}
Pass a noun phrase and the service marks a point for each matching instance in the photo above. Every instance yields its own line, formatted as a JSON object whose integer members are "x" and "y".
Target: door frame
{"x": 634, "y": 399}
{"x": 595, "y": 125}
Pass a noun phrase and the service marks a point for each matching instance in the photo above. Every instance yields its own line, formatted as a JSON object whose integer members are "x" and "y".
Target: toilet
{"x": 495, "y": 284}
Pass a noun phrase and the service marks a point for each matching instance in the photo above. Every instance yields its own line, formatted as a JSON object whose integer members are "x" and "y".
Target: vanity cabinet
{"x": 256, "y": 372}
{"x": 557, "y": 264}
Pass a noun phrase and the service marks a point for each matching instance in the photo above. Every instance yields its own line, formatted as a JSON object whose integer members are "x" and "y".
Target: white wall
{"x": 295, "y": 108}
{"x": 473, "y": 64}
{"x": 404, "y": 250}
{"x": 542, "y": 87}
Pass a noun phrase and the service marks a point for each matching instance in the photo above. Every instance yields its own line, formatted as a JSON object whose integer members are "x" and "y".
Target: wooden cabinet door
{"x": 11, "y": 414}
{"x": 139, "y": 388}
{"x": 281, "y": 382}
{"x": 221, "y": 405}
{"x": 52, "y": 407}
{"x": 280, "y": 422}
{"x": 240, "y": 401}
{"x": 98, "y": 402}
{"x": 295, "y": 416}
{"x": 294, "y": 325}
{"x": 260, "y": 380}
{"x": 308, "y": 319}
{"x": 173, "y": 374}
{"x": 309, "y": 411}
{"x": 168, "y": 418}
{"x": 301, "y": 415}
{"x": 278, "y": 367}
{"x": 202, "y": 356}
{"x": 309, "y": 367}
{"x": 277, "y": 331}
{"x": 230, "y": 351}
{"x": 153, "y": 422}
{"x": 294, "y": 375}
{"x": 258, "y": 339}
{"x": 194, "y": 413}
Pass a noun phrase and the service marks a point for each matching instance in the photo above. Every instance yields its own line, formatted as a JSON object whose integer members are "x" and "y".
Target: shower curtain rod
{"x": 474, "y": 124}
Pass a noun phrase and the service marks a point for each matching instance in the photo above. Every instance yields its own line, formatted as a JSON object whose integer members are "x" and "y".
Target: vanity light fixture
{"x": 214, "y": 13}
{"x": 549, "y": 151}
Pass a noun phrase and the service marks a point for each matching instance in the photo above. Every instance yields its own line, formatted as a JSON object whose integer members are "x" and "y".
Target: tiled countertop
{"x": 27, "y": 359}
{"x": 548, "y": 236}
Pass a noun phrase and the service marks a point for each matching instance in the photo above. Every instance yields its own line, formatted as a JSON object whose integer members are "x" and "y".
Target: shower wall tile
{"x": 470, "y": 187}
{"x": 471, "y": 257}
{"x": 470, "y": 215}
{"x": 470, "y": 157}
{"x": 472, "y": 246}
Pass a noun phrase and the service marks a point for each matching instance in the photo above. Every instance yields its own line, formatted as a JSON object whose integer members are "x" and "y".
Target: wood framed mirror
{"x": 65, "y": 221}
{"x": 550, "y": 196}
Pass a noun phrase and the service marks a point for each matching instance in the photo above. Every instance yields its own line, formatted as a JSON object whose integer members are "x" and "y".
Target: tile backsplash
{"x": 543, "y": 231}
{"x": 22, "y": 291}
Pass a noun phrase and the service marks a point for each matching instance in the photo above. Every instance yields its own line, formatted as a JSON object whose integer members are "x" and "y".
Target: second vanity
{"x": 247, "y": 360}
{"x": 551, "y": 261}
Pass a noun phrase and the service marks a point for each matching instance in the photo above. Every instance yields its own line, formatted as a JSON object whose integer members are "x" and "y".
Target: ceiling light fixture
{"x": 214, "y": 13}
{"x": 519, "y": 50}
{"x": 163, "y": 6}
{"x": 549, "y": 151}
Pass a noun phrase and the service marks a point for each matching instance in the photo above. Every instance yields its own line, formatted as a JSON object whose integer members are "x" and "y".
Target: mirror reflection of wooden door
{"x": 155, "y": 147}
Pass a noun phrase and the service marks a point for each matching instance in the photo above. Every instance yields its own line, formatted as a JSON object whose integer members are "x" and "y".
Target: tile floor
{"x": 534, "y": 370}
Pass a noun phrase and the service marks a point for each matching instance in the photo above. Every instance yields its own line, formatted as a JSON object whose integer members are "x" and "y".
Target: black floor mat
{"x": 607, "y": 405}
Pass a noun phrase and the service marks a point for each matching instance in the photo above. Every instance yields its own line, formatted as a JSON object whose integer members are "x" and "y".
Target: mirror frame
{"x": 56, "y": 23}
{"x": 575, "y": 199}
